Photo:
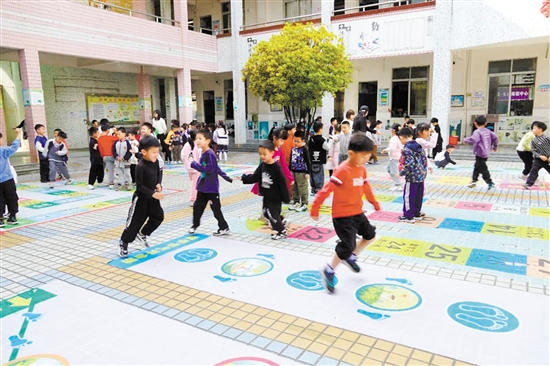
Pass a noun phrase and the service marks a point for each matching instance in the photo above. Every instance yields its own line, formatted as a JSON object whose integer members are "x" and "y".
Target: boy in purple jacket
{"x": 208, "y": 186}
{"x": 483, "y": 140}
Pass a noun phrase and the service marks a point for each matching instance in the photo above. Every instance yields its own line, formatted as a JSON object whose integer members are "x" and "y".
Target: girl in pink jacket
{"x": 191, "y": 150}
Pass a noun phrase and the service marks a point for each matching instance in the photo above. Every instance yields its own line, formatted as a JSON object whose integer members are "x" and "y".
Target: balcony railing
{"x": 380, "y": 4}
{"x": 300, "y": 18}
{"x": 214, "y": 32}
{"x": 131, "y": 12}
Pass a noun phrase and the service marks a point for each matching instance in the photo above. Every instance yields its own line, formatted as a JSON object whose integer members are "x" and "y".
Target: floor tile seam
{"x": 262, "y": 317}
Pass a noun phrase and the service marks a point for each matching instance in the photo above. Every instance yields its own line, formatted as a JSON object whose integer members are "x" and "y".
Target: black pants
{"x": 133, "y": 172}
{"x": 215, "y": 205}
{"x": 330, "y": 171}
{"x": 436, "y": 150}
{"x": 44, "y": 170}
{"x": 96, "y": 173}
{"x": 347, "y": 228}
{"x": 527, "y": 158}
{"x": 141, "y": 210}
{"x": 442, "y": 163}
{"x": 480, "y": 167}
{"x": 534, "y": 173}
{"x": 272, "y": 210}
{"x": 8, "y": 197}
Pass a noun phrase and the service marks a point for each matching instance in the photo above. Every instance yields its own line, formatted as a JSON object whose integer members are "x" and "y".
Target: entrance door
{"x": 339, "y": 106}
{"x": 209, "y": 106}
{"x": 162, "y": 97}
{"x": 368, "y": 95}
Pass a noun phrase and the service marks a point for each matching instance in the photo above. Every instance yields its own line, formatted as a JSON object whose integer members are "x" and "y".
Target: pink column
{"x": 139, "y": 5}
{"x": 31, "y": 80}
{"x": 185, "y": 108}
{"x": 180, "y": 13}
{"x": 144, "y": 95}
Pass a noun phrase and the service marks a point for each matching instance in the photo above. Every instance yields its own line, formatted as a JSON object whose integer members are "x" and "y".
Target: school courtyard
{"x": 467, "y": 285}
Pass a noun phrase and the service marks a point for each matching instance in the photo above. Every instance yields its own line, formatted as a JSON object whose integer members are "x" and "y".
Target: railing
{"x": 381, "y": 4}
{"x": 119, "y": 9}
{"x": 209, "y": 31}
{"x": 299, "y": 18}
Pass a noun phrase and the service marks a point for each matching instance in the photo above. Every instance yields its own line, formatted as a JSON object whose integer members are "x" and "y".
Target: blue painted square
{"x": 171, "y": 313}
{"x": 498, "y": 261}
{"x": 156, "y": 251}
{"x": 327, "y": 361}
{"x": 206, "y": 324}
{"x": 194, "y": 320}
{"x": 130, "y": 299}
{"x": 309, "y": 357}
{"x": 462, "y": 225}
{"x": 260, "y": 342}
{"x": 292, "y": 352}
{"x": 219, "y": 329}
{"x": 246, "y": 337}
{"x": 183, "y": 316}
{"x": 276, "y": 346}
{"x": 149, "y": 305}
{"x": 139, "y": 302}
{"x": 160, "y": 309}
{"x": 399, "y": 200}
{"x": 232, "y": 333}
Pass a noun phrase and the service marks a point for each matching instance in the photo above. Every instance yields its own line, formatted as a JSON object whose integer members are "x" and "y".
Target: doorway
{"x": 209, "y": 106}
{"x": 162, "y": 98}
{"x": 339, "y": 105}
{"x": 368, "y": 95}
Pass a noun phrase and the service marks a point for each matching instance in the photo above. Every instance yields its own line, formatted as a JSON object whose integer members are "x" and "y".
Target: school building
{"x": 64, "y": 63}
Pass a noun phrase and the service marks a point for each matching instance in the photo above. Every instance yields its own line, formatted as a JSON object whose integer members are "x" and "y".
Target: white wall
{"x": 14, "y": 111}
{"x": 62, "y": 103}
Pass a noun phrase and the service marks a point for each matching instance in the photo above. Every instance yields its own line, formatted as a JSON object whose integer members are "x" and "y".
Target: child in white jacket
{"x": 191, "y": 150}
{"x": 427, "y": 138}
{"x": 333, "y": 151}
{"x": 394, "y": 153}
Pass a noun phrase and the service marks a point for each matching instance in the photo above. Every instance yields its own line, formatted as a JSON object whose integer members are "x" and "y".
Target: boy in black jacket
{"x": 96, "y": 168}
{"x": 273, "y": 188}
{"x": 318, "y": 148}
{"x": 146, "y": 200}
{"x": 300, "y": 166}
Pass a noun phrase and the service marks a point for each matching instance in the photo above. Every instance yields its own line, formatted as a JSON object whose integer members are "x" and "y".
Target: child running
{"x": 96, "y": 162}
{"x": 525, "y": 154}
{"x": 540, "y": 146}
{"x": 273, "y": 188}
{"x": 394, "y": 150}
{"x": 483, "y": 140}
{"x": 57, "y": 157}
{"x": 8, "y": 190}
{"x": 413, "y": 166}
{"x": 146, "y": 200}
{"x": 208, "y": 186}
{"x": 191, "y": 151}
{"x": 349, "y": 184}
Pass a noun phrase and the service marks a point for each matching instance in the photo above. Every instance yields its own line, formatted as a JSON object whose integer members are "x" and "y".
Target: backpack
{"x": 65, "y": 158}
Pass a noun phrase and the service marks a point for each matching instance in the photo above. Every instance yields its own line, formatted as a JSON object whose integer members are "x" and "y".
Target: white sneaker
{"x": 68, "y": 182}
{"x": 396, "y": 188}
{"x": 91, "y": 187}
{"x": 51, "y": 185}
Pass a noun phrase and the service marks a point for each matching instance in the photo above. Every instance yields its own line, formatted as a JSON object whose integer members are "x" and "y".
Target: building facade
{"x": 67, "y": 62}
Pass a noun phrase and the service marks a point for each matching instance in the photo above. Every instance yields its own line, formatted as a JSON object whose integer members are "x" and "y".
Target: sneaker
{"x": 191, "y": 230}
{"x": 351, "y": 262}
{"x": 51, "y": 185}
{"x": 122, "y": 253}
{"x": 68, "y": 182}
{"x": 12, "y": 220}
{"x": 142, "y": 239}
{"x": 421, "y": 214}
{"x": 282, "y": 235}
{"x": 523, "y": 177}
{"x": 91, "y": 187}
{"x": 128, "y": 187}
{"x": 302, "y": 208}
{"x": 286, "y": 222}
{"x": 111, "y": 186}
{"x": 491, "y": 186}
{"x": 2, "y": 224}
{"x": 221, "y": 232}
{"x": 328, "y": 277}
{"x": 418, "y": 218}
{"x": 527, "y": 186}
{"x": 396, "y": 188}
{"x": 406, "y": 219}
{"x": 376, "y": 163}
{"x": 118, "y": 187}
{"x": 472, "y": 184}
{"x": 294, "y": 207}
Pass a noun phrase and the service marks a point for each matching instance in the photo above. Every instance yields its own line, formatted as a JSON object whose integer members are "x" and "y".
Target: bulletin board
{"x": 116, "y": 108}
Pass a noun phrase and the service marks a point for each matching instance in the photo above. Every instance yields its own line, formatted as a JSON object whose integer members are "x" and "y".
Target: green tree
{"x": 296, "y": 67}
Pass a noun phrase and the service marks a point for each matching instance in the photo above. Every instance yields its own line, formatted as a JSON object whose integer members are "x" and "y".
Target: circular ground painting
{"x": 307, "y": 280}
{"x": 388, "y": 297}
{"x": 35, "y": 360}
{"x": 247, "y": 361}
{"x": 481, "y": 316}
{"x": 247, "y": 267}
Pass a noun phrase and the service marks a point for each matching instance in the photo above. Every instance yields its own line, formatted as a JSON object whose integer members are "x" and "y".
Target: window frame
{"x": 410, "y": 80}
{"x": 512, "y": 74}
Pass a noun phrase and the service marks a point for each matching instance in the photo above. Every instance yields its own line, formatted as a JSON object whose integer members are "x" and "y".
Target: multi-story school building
{"x": 67, "y": 62}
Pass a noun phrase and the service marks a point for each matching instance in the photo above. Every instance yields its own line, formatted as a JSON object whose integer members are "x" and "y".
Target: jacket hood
{"x": 413, "y": 145}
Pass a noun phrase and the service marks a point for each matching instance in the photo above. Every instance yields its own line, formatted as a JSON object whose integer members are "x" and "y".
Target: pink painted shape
{"x": 313, "y": 233}
{"x": 384, "y": 216}
{"x": 536, "y": 187}
{"x": 477, "y": 206}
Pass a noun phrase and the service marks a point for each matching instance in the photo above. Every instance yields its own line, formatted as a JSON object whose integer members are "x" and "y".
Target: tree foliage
{"x": 297, "y": 67}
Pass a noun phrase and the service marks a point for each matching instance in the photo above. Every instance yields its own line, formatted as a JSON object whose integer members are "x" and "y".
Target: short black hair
{"x": 104, "y": 121}
{"x": 449, "y": 147}
{"x": 319, "y": 118}
{"x": 379, "y": 122}
{"x": 1, "y": 135}
{"x": 206, "y": 134}
{"x": 148, "y": 125}
{"x": 132, "y": 131}
{"x": 434, "y": 120}
{"x": 317, "y": 126}
{"x": 92, "y": 130}
{"x": 57, "y": 130}
{"x": 333, "y": 119}
{"x": 192, "y": 134}
{"x": 62, "y": 134}
{"x": 38, "y": 126}
{"x": 405, "y": 132}
{"x": 266, "y": 144}
{"x": 540, "y": 125}
{"x": 121, "y": 129}
{"x": 147, "y": 142}
{"x": 278, "y": 133}
{"x": 345, "y": 123}
{"x": 411, "y": 121}
{"x": 422, "y": 127}
{"x": 94, "y": 121}
{"x": 480, "y": 120}
{"x": 300, "y": 135}
{"x": 360, "y": 143}
{"x": 338, "y": 128}
{"x": 407, "y": 116}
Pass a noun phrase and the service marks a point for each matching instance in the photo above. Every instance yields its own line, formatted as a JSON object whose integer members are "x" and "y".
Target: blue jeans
{"x": 317, "y": 178}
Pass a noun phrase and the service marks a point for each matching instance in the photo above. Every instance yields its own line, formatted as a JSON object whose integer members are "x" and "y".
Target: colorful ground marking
{"x": 538, "y": 267}
{"x": 290, "y": 229}
{"x": 324, "y": 209}
{"x": 440, "y": 203}
{"x": 41, "y": 359}
{"x": 385, "y": 198}
{"x": 484, "y": 317}
{"x": 477, "y": 206}
{"x": 388, "y": 297}
{"x": 23, "y": 301}
{"x": 314, "y": 233}
{"x": 384, "y": 216}
{"x": 501, "y": 229}
{"x": 462, "y": 225}
{"x": 405, "y": 247}
{"x": 454, "y": 181}
{"x": 513, "y": 210}
{"x": 443, "y": 253}
{"x": 498, "y": 261}
{"x": 247, "y": 267}
{"x": 429, "y": 221}
{"x": 539, "y": 211}
{"x": 307, "y": 281}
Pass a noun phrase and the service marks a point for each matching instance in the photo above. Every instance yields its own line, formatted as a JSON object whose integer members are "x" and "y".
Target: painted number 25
{"x": 447, "y": 252}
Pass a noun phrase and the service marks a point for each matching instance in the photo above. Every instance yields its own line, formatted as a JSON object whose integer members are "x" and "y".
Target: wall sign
{"x": 457, "y": 100}
{"x": 383, "y": 97}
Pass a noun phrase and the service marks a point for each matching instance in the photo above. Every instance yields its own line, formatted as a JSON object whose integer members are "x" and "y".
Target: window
{"x": 370, "y": 4}
{"x": 226, "y": 17}
{"x": 228, "y": 92}
{"x": 191, "y": 24}
{"x": 295, "y": 8}
{"x": 206, "y": 24}
{"x": 410, "y": 91}
{"x": 512, "y": 87}
{"x": 339, "y": 6}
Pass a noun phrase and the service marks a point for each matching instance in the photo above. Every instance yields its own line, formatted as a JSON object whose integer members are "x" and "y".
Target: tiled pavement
{"x": 76, "y": 250}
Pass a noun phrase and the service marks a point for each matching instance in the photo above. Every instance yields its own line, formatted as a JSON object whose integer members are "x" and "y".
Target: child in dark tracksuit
{"x": 96, "y": 161}
{"x": 208, "y": 186}
{"x": 414, "y": 167}
{"x": 300, "y": 166}
{"x": 146, "y": 200}
{"x": 272, "y": 184}
{"x": 318, "y": 148}
{"x": 441, "y": 164}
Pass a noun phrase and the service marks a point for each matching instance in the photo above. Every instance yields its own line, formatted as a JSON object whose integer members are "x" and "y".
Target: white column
{"x": 443, "y": 67}
{"x": 171, "y": 102}
{"x": 239, "y": 101}
{"x": 327, "y": 111}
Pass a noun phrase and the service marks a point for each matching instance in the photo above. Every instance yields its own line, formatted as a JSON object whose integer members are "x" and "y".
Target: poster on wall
{"x": 26, "y": 97}
{"x": 216, "y": 26}
{"x": 478, "y": 99}
{"x": 512, "y": 129}
{"x": 264, "y": 130}
{"x": 116, "y": 108}
{"x": 383, "y": 97}
{"x": 219, "y": 104}
{"x": 457, "y": 100}
{"x": 37, "y": 97}
{"x": 455, "y": 129}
